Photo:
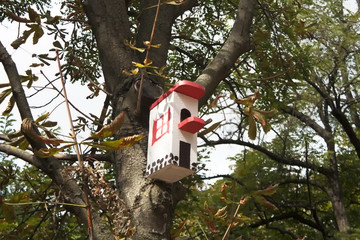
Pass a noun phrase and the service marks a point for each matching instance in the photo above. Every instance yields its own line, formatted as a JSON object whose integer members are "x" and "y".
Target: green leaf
{"x": 270, "y": 190}
{"x": 4, "y": 94}
{"x": 117, "y": 144}
{"x": 252, "y": 128}
{"x": 49, "y": 124}
{"x": 21, "y": 143}
{"x": 48, "y": 152}
{"x": 33, "y": 15}
{"x": 38, "y": 33}
{"x": 210, "y": 129}
{"x": 9, "y": 213}
{"x": 42, "y": 117}
{"x": 57, "y": 44}
{"x": 9, "y": 107}
{"x": 16, "y": 44}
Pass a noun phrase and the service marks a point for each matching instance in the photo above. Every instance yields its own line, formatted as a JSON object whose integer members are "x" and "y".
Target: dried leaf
{"x": 223, "y": 190}
{"x": 21, "y": 143}
{"x": 214, "y": 102}
{"x": 5, "y": 94}
{"x": 267, "y": 204}
{"x": 217, "y": 23}
{"x": 33, "y": 15}
{"x": 270, "y": 190}
{"x": 27, "y": 129}
{"x": 176, "y": 232}
{"x": 38, "y": 33}
{"x": 176, "y": 2}
{"x": 221, "y": 213}
{"x": 9, "y": 107}
{"x": 249, "y": 101}
{"x": 112, "y": 128}
{"x": 132, "y": 72}
{"x": 49, "y": 124}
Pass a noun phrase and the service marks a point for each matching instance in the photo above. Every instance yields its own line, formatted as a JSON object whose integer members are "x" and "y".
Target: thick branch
{"x": 14, "y": 78}
{"x": 237, "y": 44}
{"x": 21, "y": 154}
{"x": 308, "y": 122}
{"x": 293, "y": 215}
{"x": 110, "y": 25}
{"x": 303, "y": 181}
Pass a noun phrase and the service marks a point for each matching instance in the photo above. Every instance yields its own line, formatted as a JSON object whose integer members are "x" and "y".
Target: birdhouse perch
{"x": 173, "y": 127}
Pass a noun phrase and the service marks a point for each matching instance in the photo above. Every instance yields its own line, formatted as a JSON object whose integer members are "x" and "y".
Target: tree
{"x": 105, "y": 38}
{"x": 304, "y": 65}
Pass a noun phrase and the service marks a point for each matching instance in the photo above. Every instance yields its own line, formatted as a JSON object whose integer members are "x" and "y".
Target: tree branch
{"x": 272, "y": 155}
{"x": 237, "y": 44}
{"x": 21, "y": 154}
{"x": 14, "y": 78}
{"x": 326, "y": 135}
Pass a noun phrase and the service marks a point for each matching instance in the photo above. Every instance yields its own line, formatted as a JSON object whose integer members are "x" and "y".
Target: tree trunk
{"x": 335, "y": 192}
{"x": 150, "y": 203}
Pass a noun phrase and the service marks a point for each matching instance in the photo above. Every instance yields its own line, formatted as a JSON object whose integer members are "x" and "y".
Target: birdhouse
{"x": 173, "y": 127}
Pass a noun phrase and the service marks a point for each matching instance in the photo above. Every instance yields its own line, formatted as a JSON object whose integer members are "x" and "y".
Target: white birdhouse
{"x": 173, "y": 127}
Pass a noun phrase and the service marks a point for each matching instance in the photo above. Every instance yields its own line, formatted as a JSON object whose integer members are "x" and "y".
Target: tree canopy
{"x": 282, "y": 76}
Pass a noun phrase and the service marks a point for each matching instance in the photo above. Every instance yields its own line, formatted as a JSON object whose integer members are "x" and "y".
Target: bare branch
{"x": 308, "y": 121}
{"x": 21, "y": 154}
{"x": 274, "y": 156}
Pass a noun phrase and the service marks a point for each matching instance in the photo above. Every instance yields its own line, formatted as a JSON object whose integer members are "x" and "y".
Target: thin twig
{"x": 241, "y": 202}
{"x": 90, "y": 228}
{"x": 138, "y": 105}
{"x": 96, "y": 85}
{"x": 72, "y": 105}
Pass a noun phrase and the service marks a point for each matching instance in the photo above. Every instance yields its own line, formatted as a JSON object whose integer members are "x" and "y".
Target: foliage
{"x": 289, "y": 184}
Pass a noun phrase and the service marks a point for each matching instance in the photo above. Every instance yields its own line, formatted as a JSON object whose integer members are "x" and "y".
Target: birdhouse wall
{"x": 172, "y": 153}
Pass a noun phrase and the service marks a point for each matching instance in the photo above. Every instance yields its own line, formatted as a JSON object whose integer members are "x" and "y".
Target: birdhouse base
{"x": 171, "y": 173}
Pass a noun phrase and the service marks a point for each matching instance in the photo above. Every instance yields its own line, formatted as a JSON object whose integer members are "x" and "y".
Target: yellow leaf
{"x": 147, "y": 43}
{"x": 210, "y": 129}
{"x": 132, "y": 46}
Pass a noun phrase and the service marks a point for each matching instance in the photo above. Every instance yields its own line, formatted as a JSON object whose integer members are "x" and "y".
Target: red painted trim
{"x": 185, "y": 87}
{"x": 191, "y": 124}
{"x": 156, "y": 127}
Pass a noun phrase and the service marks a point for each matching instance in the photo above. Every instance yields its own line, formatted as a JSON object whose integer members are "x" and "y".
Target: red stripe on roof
{"x": 185, "y": 87}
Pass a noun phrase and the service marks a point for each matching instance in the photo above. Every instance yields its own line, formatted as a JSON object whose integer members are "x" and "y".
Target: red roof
{"x": 185, "y": 87}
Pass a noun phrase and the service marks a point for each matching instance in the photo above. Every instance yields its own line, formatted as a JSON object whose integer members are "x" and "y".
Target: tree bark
{"x": 237, "y": 43}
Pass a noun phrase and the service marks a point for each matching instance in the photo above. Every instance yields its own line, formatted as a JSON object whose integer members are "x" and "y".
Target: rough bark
{"x": 237, "y": 43}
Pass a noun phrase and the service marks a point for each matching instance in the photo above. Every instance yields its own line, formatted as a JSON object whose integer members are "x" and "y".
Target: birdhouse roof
{"x": 185, "y": 87}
